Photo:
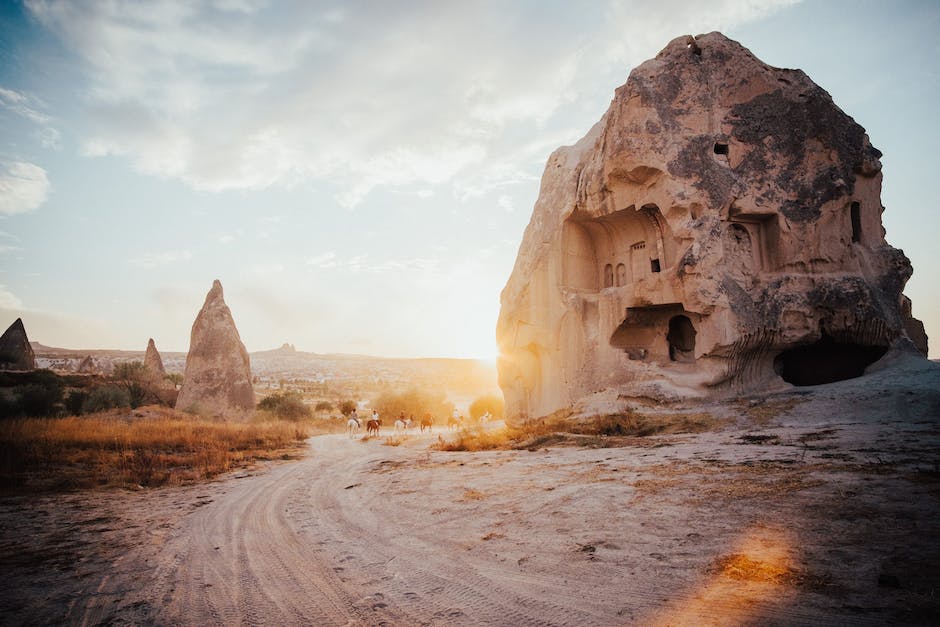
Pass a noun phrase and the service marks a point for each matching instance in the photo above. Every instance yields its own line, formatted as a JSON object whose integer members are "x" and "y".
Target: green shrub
{"x": 105, "y": 397}
{"x": 38, "y": 400}
{"x": 286, "y": 405}
{"x": 75, "y": 402}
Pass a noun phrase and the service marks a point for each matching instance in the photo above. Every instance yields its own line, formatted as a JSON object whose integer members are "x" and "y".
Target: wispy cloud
{"x": 155, "y": 260}
{"x": 29, "y": 108}
{"x": 24, "y": 187}
{"x": 326, "y": 260}
{"x": 241, "y": 94}
{"x": 9, "y": 300}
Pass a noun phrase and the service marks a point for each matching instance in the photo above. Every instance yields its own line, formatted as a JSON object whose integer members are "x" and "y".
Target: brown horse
{"x": 373, "y": 425}
{"x": 426, "y": 423}
{"x": 454, "y": 423}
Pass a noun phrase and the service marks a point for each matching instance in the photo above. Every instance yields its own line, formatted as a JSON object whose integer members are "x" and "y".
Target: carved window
{"x": 654, "y": 265}
{"x": 621, "y": 275}
{"x": 721, "y": 148}
{"x": 639, "y": 262}
{"x": 856, "y": 215}
{"x": 608, "y": 275}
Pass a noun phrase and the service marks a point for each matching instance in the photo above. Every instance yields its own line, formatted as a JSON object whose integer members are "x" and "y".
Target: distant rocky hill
{"x": 461, "y": 376}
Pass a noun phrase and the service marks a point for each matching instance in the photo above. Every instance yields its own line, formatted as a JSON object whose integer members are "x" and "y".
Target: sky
{"x": 359, "y": 174}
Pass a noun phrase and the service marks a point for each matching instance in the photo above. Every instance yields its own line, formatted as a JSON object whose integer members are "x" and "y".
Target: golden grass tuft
{"x": 560, "y": 429}
{"x": 762, "y": 413}
{"x": 469, "y": 494}
{"x": 150, "y": 447}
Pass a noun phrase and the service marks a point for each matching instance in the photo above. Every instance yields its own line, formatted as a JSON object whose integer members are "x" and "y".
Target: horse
{"x": 353, "y": 426}
{"x": 454, "y": 423}
{"x": 400, "y": 425}
{"x": 426, "y": 422}
{"x": 373, "y": 425}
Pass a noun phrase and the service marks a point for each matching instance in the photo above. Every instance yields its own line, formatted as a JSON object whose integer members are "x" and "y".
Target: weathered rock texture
{"x": 718, "y": 229}
{"x": 15, "y": 351}
{"x": 217, "y": 378}
{"x": 88, "y": 365}
{"x": 152, "y": 360}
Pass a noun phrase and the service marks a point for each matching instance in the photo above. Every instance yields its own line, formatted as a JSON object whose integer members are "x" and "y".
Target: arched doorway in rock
{"x": 681, "y": 339}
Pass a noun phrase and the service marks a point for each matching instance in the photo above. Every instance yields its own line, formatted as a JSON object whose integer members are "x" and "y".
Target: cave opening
{"x": 721, "y": 148}
{"x": 826, "y": 361}
{"x": 681, "y": 338}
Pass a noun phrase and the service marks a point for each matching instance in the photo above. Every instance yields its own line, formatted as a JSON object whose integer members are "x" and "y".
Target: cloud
{"x": 24, "y": 187}
{"x": 155, "y": 260}
{"x": 243, "y": 94}
{"x": 29, "y": 108}
{"x": 326, "y": 260}
{"x": 9, "y": 300}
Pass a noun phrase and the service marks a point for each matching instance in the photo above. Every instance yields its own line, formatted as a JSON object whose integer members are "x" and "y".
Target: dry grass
{"x": 728, "y": 481}
{"x": 560, "y": 429}
{"x": 150, "y": 447}
{"x": 469, "y": 494}
{"x": 762, "y": 413}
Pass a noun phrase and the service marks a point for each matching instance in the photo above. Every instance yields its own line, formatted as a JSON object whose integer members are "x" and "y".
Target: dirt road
{"x": 314, "y": 543}
{"x": 818, "y": 507}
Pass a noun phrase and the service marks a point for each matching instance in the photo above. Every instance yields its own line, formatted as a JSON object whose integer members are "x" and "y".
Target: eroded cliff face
{"x": 217, "y": 378}
{"x": 718, "y": 230}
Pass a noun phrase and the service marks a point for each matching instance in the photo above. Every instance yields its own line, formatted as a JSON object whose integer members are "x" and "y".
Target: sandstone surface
{"x": 152, "y": 360}
{"x": 15, "y": 350}
{"x": 217, "y": 377}
{"x": 717, "y": 231}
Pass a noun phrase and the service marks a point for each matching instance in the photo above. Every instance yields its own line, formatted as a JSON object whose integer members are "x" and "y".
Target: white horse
{"x": 353, "y": 426}
{"x": 400, "y": 425}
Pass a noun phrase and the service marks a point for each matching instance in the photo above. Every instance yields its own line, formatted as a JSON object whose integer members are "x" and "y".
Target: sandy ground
{"x": 827, "y": 513}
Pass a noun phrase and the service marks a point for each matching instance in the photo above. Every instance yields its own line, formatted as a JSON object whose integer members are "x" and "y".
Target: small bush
{"x": 324, "y": 406}
{"x": 38, "y": 400}
{"x": 75, "y": 401}
{"x": 346, "y": 407}
{"x": 286, "y": 405}
{"x": 104, "y": 398}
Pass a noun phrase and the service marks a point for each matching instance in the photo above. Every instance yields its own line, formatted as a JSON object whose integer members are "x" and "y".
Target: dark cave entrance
{"x": 826, "y": 361}
{"x": 681, "y": 338}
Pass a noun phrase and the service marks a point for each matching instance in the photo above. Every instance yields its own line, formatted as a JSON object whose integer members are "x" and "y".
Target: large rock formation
{"x": 152, "y": 360}
{"x": 15, "y": 351}
{"x": 217, "y": 378}
{"x": 718, "y": 230}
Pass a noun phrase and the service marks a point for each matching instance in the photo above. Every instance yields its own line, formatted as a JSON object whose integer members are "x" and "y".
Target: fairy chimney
{"x": 15, "y": 350}
{"x": 152, "y": 360}
{"x": 718, "y": 230}
{"x": 217, "y": 377}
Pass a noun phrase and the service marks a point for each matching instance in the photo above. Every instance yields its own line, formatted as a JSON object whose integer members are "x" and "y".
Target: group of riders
{"x": 455, "y": 421}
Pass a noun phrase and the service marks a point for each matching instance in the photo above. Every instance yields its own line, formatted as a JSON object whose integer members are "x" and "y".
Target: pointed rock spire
{"x": 15, "y": 351}
{"x": 217, "y": 378}
{"x": 152, "y": 359}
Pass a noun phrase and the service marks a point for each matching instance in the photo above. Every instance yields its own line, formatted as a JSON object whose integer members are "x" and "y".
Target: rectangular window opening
{"x": 856, "y": 214}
